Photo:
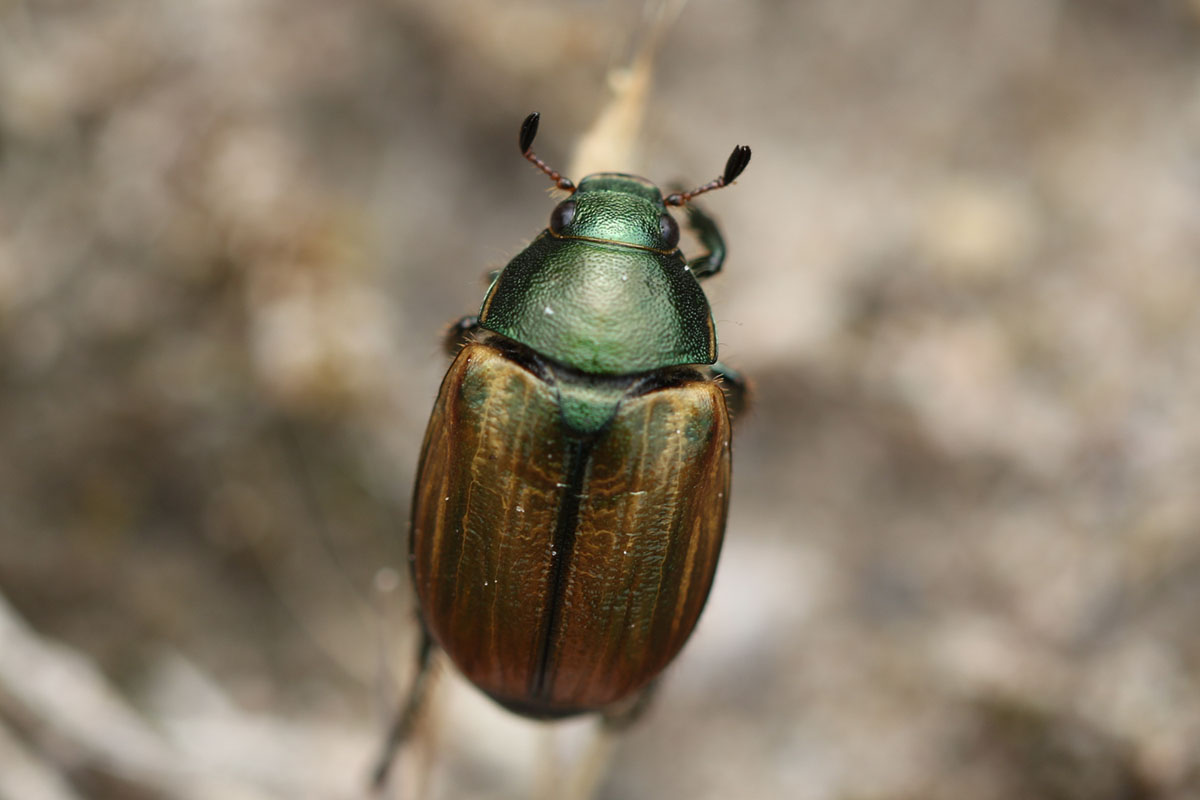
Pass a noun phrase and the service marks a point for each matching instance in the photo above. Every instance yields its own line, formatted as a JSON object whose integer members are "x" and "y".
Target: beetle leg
{"x": 735, "y": 385}
{"x": 459, "y": 334}
{"x": 619, "y": 720}
{"x": 406, "y": 717}
{"x": 710, "y": 236}
{"x": 589, "y": 771}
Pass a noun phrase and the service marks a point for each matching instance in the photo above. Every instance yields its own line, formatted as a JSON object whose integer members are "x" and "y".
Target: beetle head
{"x": 620, "y": 208}
{"x": 613, "y": 207}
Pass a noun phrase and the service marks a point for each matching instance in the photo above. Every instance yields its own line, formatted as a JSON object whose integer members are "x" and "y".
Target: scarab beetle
{"x": 573, "y": 484}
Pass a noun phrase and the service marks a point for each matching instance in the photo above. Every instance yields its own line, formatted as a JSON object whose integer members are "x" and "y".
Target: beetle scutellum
{"x": 574, "y": 480}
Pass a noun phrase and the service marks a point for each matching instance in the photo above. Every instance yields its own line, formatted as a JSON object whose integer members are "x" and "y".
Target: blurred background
{"x": 963, "y": 559}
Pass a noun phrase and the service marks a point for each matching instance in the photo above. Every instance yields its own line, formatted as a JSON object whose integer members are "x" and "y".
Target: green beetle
{"x": 574, "y": 480}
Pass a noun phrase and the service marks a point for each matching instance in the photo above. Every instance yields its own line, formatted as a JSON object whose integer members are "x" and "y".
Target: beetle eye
{"x": 562, "y": 215}
{"x": 668, "y": 229}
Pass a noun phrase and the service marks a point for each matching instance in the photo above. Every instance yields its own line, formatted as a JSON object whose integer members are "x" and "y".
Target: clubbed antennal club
{"x": 736, "y": 164}
{"x": 529, "y": 130}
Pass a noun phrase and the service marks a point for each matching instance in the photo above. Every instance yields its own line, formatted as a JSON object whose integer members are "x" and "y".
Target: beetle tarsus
{"x": 620, "y": 719}
{"x": 710, "y": 237}
{"x": 405, "y": 720}
{"x": 735, "y": 386}
{"x": 459, "y": 334}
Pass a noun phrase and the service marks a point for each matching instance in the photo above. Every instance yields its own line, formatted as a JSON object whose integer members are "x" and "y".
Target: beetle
{"x": 573, "y": 484}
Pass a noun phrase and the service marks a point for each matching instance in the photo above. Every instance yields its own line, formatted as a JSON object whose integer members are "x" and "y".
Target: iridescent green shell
{"x": 607, "y": 294}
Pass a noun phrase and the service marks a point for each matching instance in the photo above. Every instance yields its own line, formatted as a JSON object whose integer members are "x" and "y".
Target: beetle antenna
{"x": 736, "y": 164}
{"x": 529, "y": 130}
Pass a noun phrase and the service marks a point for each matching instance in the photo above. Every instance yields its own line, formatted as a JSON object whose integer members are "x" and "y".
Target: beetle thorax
{"x": 602, "y": 308}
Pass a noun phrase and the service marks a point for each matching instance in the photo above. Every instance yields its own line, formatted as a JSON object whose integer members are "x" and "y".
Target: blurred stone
{"x": 977, "y": 228}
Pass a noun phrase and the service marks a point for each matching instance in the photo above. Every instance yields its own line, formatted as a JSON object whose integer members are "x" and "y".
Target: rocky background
{"x": 963, "y": 559}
